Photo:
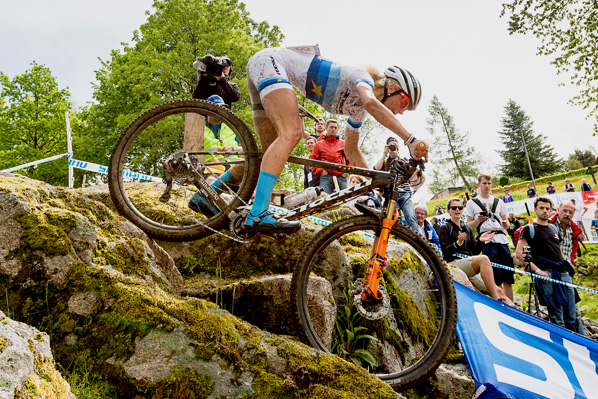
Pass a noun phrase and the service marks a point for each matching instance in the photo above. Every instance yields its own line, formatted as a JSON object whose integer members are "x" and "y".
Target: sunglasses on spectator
{"x": 454, "y": 208}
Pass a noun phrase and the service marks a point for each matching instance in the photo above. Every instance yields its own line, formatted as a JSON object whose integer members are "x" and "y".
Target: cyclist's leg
{"x": 352, "y": 151}
{"x": 279, "y": 129}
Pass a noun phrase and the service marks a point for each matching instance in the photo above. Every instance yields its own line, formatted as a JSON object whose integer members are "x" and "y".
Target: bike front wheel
{"x": 168, "y": 154}
{"x": 400, "y": 339}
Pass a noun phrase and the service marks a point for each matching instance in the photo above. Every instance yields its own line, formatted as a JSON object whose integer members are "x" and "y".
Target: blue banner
{"x": 512, "y": 354}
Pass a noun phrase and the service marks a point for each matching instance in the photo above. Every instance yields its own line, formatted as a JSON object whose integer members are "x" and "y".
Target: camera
{"x": 392, "y": 147}
{"x": 211, "y": 66}
{"x": 484, "y": 213}
{"x": 527, "y": 253}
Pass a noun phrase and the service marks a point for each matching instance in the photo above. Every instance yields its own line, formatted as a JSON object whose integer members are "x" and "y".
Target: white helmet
{"x": 406, "y": 82}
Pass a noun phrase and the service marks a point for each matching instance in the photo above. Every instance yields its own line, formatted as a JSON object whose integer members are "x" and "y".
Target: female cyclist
{"x": 356, "y": 92}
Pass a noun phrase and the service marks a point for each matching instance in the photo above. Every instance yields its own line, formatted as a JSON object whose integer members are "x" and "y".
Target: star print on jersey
{"x": 323, "y": 78}
{"x": 316, "y": 89}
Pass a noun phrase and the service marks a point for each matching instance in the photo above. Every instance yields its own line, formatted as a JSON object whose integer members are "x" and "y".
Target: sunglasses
{"x": 405, "y": 102}
{"x": 454, "y": 208}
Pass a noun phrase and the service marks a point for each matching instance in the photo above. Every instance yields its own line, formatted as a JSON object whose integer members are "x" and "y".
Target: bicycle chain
{"x": 229, "y": 236}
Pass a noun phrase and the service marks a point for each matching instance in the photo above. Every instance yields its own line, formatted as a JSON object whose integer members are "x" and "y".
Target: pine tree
{"x": 542, "y": 157}
{"x": 457, "y": 161}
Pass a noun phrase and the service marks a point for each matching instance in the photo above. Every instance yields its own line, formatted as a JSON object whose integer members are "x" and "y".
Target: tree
{"x": 156, "y": 67}
{"x": 585, "y": 158}
{"x": 568, "y": 31}
{"x": 457, "y": 161}
{"x": 32, "y": 122}
{"x": 516, "y": 124}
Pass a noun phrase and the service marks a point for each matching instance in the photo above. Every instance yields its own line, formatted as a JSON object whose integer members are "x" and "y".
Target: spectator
{"x": 218, "y": 136}
{"x": 440, "y": 210}
{"x": 569, "y": 187}
{"x": 424, "y": 227}
{"x": 310, "y": 179}
{"x": 474, "y": 193}
{"x": 457, "y": 237}
{"x": 571, "y": 235}
{"x": 595, "y": 221}
{"x": 580, "y": 210}
{"x": 585, "y": 186}
{"x": 319, "y": 130}
{"x": 507, "y": 197}
{"x": 489, "y": 213}
{"x": 390, "y": 153}
{"x": 550, "y": 189}
{"x": 464, "y": 200}
{"x": 548, "y": 261}
{"x": 212, "y": 81}
{"x": 531, "y": 192}
{"x": 435, "y": 224}
{"x": 330, "y": 149}
{"x": 369, "y": 198}
{"x": 514, "y": 224}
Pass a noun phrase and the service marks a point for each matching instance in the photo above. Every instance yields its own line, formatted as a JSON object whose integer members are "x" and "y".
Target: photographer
{"x": 391, "y": 152}
{"x": 457, "y": 237}
{"x": 547, "y": 261}
{"x": 212, "y": 79}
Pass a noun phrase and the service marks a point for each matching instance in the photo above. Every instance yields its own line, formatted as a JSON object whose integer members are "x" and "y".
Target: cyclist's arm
{"x": 382, "y": 114}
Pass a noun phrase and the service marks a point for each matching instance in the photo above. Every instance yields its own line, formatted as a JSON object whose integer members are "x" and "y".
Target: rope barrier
{"x": 26, "y": 165}
{"x": 535, "y": 275}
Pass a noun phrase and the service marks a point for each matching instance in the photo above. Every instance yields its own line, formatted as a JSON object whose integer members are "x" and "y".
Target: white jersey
{"x": 472, "y": 210}
{"x": 331, "y": 85}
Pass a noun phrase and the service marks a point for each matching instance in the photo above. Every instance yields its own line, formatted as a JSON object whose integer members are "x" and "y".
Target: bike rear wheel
{"x": 400, "y": 341}
{"x": 155, "y": 152}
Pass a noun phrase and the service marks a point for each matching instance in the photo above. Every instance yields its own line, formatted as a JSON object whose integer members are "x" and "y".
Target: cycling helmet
{"x": 406, "y": 82}
{"x": 216, "y": 99}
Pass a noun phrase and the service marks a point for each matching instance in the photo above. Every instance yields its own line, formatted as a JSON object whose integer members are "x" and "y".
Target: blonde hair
{"x": 377, "y": 76}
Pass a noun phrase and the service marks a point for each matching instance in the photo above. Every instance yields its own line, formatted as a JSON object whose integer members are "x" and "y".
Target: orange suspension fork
{"x": 378, "y": 256}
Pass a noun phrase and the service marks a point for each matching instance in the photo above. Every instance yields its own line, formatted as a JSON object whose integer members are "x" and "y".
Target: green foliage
{"x": 349, "y": 343}
{"x": 32, "y": 122}
{"x": 503, "y": 181}
{"x": 542, "y": 157}
{"x": 568, "y": 32}
{"x": 157, "y": 65}
{"x": 457, "y": 162}
{"x": 584, "y": 158}
{"x": 86, "y": 385}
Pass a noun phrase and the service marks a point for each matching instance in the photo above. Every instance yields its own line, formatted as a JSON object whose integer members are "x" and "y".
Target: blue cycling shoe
{"x": 199, "y": 203}
{"x": 267, "y": 223}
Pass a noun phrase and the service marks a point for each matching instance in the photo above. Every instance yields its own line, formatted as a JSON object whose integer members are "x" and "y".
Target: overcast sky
{"x": 459, "y": 50}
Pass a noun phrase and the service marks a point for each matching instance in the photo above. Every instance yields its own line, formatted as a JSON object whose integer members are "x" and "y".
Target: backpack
{"x": 531, "y": 232}
{"x": 483, "y": 208}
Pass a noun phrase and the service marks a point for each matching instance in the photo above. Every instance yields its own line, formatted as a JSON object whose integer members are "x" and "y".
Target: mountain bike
{"x": 368, "y": 288}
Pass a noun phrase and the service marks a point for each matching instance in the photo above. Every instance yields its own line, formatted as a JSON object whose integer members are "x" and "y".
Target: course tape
{"x": 93, "y": 167}
{"x": 26, "y": 165}
{"x": 326, "y": 223}
{"x": 535, "y": 275}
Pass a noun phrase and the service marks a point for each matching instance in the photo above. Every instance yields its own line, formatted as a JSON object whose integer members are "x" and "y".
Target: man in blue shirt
{"x": 507, "y": 197}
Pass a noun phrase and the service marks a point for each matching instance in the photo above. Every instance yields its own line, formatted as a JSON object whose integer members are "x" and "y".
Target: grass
{"x": 86, "y": 385}
{"x": 517, "y": 190}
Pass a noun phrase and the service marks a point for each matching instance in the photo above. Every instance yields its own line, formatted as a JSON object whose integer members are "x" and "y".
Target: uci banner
{"x": 512, "y": 354}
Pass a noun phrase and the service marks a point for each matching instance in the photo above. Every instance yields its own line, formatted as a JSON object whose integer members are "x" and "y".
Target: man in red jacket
{"x": 571, "y": 235}
{"x": 570, "y": 232}
{"x": 330, "y": 149}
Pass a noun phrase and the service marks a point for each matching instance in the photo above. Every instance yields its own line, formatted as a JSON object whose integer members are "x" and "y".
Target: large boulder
{"x": 109, "y": 297}
{"x": 27, "y": 367}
